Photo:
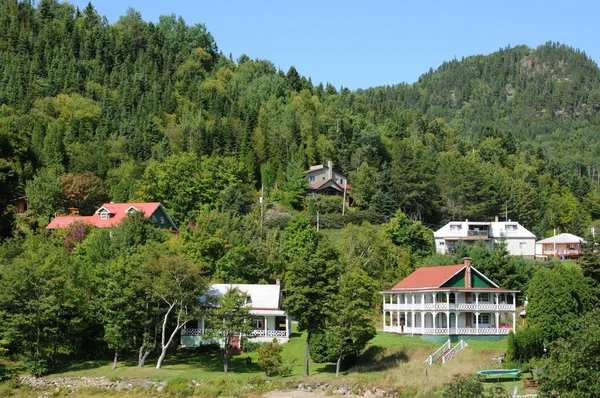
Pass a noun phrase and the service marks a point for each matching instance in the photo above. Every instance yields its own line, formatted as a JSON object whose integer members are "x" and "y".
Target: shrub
{"x": 269, "y": 358}
{"x": 524, "y": 345}
{"x": 328, "y": 204}
{"x": 37, "y": 367}
{"x": 319, "y": 350}
{"x": 178, "y": 386}
{"x": 249, "y": 346}
{"x": 462, "y": 387}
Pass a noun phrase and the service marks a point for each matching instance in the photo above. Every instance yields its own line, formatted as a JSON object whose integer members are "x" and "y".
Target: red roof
{"x": 117, "y": 212}
{"x": 429, "y": 277}
{"x": 318, "y": 184}
{"x": 65, "y": 221}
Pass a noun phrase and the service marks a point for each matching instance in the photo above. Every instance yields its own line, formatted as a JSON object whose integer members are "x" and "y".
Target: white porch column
{"x": 202, "y": 326}
{"x": 514, "y": 319}
{"x": 448, "y": 299}
{"x": 448, "y": 321}
{"x": 405, "y": 322}
{"x": 266, "y": 322}
{"x": 422, "y": 322}
{"x": 384, "y": 321}
{"x": 477, "y": 300}
{"x": 497, "y": 320}
{"x": 384, "y": 301}
{"x": 433, "y": 298}
{"x": 288, "y": 327}
{"x": 477, "y": 323}
{"x": 497, "y": 301}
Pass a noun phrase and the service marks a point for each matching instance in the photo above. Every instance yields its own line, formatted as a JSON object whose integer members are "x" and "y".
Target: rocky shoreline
{"x": 67, "y": 384}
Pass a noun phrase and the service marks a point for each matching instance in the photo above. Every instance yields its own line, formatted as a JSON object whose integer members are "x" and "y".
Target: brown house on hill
{"x": 324, "y": 180}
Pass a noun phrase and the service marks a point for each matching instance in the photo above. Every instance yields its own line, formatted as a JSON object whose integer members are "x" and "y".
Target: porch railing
{"x": 450, "y": 354}
{"x": 485, "y": 306}
{"x": 254, "y": 333}
{"x": 438, "y": 353}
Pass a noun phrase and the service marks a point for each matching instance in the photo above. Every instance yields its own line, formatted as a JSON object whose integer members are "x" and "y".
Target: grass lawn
{"x": 389, "y": 360}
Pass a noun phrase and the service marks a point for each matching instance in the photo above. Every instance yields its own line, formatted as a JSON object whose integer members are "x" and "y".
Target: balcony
{"x": 255, "y": 333}
{"x": 471, "y": 307}
{"x": 484, "y": 330}
{"x": 477, "y": 234}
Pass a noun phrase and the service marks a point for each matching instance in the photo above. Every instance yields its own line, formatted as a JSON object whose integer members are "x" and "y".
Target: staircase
{"x": 446, "y": 352}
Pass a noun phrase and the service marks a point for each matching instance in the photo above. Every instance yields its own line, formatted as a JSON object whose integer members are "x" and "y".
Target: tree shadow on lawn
{"x": 375, "y": 359}
{"x": 211, "y": 362}
{"x": 175, "y": 360}
{"x": 76, "y": 366}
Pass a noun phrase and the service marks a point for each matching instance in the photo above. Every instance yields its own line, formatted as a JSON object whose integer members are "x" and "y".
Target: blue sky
{"x": 359, "y": 44}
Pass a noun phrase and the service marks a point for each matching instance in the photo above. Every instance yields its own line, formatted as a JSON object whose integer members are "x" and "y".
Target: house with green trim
{"x": 451, "y": 301}
{"x": 111, "y": 214}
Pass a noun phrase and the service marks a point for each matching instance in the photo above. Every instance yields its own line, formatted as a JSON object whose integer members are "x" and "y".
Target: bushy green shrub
{"x": 249, "y": 346}
{"x": 319, "y": 350}
{"x": 179, "y": 387}
{"x": 524, "y": 345}
{"x": 328, "y": 204}
{"x": 270, "y": 358}
{"x": 37, "y": 367}
{"x": 462, "y": 386}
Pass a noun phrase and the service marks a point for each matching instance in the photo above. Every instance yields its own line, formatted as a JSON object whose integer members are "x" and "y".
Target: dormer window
{"x": 455, "y": 227}
{"x": 311, "y": 178}
{"x": 511, "y": 227}
{"x": 248, "y": 300}
{"x": 104, "y": 215}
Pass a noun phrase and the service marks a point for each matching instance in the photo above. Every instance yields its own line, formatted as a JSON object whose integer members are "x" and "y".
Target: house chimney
{"x": 496, "y": 219}
{"x": 467, "y": 263}
{"x": 278, "y": 282}
{"x": 329, "y": 169}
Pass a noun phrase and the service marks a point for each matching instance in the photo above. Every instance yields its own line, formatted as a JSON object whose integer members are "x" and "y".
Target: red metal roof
{"x": 65, "y": 221}
{"x": 429, "y": 277}
{"x": 117, "y": 211}
{"x": 316, "y": 185}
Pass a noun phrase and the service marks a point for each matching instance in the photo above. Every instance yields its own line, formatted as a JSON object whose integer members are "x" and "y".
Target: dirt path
{"x": 300, "y": 394}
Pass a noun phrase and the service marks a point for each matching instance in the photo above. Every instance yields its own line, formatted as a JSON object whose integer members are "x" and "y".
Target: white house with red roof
{"x": 270, "y": 321}
{"x": 324, "y": 180}
{"x": 111, "y": 214}
{"x": 451, "y": 300}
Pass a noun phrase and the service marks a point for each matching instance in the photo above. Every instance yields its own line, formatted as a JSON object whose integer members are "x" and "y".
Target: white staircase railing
{"x": 440, "y": 351}
{"x": 450, "y": 354}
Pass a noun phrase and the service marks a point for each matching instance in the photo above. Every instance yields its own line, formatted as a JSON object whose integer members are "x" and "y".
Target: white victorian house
{"x": 451, "y": 300}
{"x": 519, "y": 241}
{"x": 269, "y": 319}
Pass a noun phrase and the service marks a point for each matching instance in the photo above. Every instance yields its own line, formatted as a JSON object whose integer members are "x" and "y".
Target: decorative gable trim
{"x": 456, "y": 273}
{"x": 485, "y": 277}
{"x": 105, "y": 210}
{"x": 130, "y": 209}
{"x": 160, "y": 206}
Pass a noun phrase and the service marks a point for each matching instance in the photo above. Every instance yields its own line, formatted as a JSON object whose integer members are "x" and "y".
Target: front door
{"x": 469, "y": 319}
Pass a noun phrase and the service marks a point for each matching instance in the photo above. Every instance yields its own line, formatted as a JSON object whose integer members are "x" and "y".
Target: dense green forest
{"x": 139, "y": 111}
{"x": 155, "y": 112}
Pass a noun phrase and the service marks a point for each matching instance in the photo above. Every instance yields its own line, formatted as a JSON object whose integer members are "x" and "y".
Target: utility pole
{"x": 318, "y": 221}
{"x": 262, "y": 204}
{"x": 344, "y": 200}
{"x": 506, "y": 211}
{"x": 554, "y": 240}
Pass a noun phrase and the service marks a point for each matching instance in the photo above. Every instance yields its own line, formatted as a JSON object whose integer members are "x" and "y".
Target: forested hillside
{"x": 91, "y": 112}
